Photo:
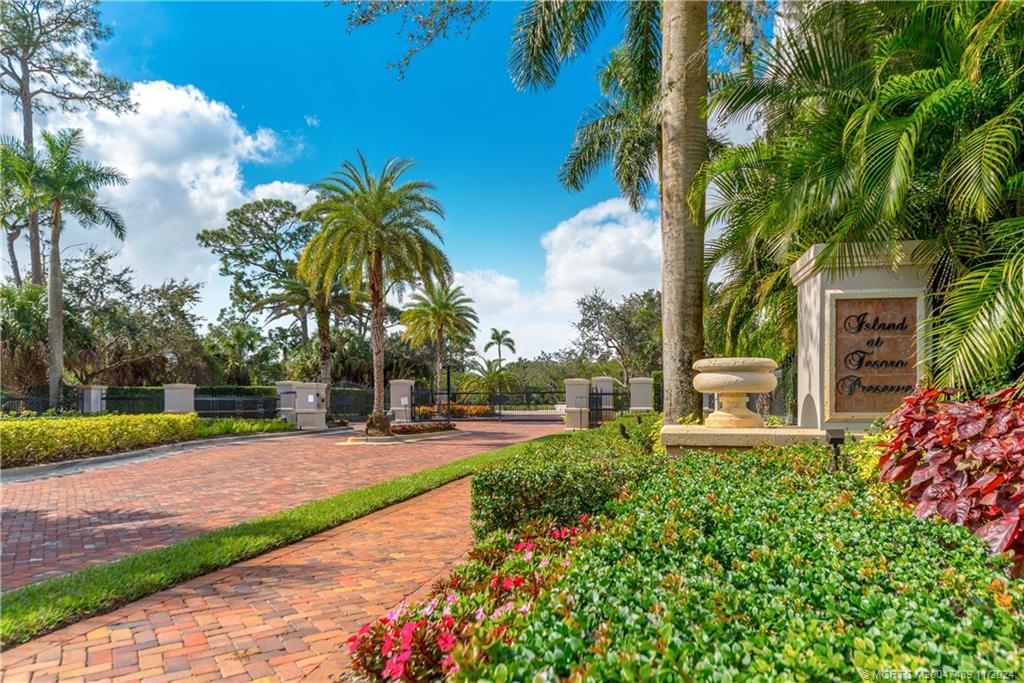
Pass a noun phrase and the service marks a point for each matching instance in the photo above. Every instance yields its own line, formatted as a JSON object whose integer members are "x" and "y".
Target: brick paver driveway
{"x": 59, "y": 524}
{"x": 275, "y": 617}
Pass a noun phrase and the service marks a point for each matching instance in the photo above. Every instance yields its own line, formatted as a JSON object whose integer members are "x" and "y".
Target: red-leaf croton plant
{"x": 964, "y": 461}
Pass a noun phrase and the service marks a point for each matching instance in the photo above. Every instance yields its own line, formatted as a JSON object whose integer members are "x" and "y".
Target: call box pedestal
{"x": 859, "y": 337}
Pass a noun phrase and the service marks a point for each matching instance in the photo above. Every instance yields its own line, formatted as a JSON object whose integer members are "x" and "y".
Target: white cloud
{"x": 312, "y": 121}
{"x": 183, "y": 154}
{"x": 606, "y": 246}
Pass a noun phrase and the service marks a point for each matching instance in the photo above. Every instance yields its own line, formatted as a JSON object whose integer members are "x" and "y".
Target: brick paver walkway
{"x": 275, "y": 617}
{"x": 59, "y": 524}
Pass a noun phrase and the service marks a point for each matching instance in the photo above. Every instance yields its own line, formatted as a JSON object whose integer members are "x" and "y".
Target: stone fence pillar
{"x": 92, "y": 399}
{"x": 304, "y": 404}
{"x": 641, "y": 394}
{"x": 179, "y": 398}
{"x": 401, "y": 399}
{"x": 577, "y": 404}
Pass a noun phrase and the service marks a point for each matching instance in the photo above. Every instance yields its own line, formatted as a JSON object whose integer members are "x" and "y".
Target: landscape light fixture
{"x": 836, "y": 438}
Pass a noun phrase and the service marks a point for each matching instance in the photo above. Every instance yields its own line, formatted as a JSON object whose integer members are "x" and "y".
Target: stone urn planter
{"x": 733, "y": 379}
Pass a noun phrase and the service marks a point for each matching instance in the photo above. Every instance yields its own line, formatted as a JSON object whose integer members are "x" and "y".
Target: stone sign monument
{"x": 859, "y": 337}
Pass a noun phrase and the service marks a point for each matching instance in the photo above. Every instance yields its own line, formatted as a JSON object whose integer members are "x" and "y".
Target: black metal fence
{"x": 38, "y": 401}
{"x": 133, "y": 403}
{"x": 256, "y": 407}
{"x": 526, "y": 405}
{"x": 352, "y": 401}
{"x": 605, "y": 406}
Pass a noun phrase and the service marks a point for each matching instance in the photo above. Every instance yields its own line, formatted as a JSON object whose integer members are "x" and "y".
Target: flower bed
{"x": 421, "y": 427}
{"x": 737, "y": 565}
{"x": 456, "y": 410}
{"x": 34, "y": 441}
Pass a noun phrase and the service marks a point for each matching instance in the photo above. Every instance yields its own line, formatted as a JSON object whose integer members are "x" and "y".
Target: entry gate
{"x": 605, "y": 406}
{"x": 524, "y": 405}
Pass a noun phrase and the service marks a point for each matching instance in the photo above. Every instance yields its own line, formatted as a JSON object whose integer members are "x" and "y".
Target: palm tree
{"x": 295, "y": 297}
{"x": 67, "y": 184}
{"x": 500, "y": 339}
{"x": 435, "y": 316}
{"x": 654, "y": 85}
{"x": 907, "y": 128}
{"x": 490, "y": 377}
{"x": 375, "y": 229}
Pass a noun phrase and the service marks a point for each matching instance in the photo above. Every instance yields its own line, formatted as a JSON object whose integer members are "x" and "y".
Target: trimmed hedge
{"x": 763, "y": 565}
{"x": 565, "y": 479}
{"x": 34, "y": 441}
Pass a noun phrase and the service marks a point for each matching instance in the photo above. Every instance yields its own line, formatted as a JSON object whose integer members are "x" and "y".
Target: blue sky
{"x": 246, "y": 100}
{"x": 492, "y": 151}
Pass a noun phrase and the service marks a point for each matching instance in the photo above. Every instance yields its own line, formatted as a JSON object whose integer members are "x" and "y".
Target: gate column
{"x": 641, "y": 394}
{"x": 401, "y": 399}
{"x": 577, "y": 404}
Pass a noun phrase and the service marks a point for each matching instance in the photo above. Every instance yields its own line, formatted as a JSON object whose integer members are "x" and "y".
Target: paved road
{"x": 60, "y": 524}
{"x": 283, "y": 616}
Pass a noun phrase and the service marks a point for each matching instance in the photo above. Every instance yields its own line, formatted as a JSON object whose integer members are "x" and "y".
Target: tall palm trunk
{"x": 684, "y": 80}
{"x": 27, "y": 132}
{"x": 377, "y": 421}
{"x": 55, "y": 301}
{"x": 323, "y": 330}
{"x": 439, "y": 369}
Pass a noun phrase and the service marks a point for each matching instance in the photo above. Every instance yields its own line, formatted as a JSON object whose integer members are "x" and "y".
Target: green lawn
{"x": 33, "y": 610}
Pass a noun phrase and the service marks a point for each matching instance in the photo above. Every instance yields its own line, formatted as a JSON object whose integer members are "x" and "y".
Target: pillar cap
{"x": 641, "y": 380}
{"x": 577, "y": 380}
{"x": 179, "y": 385}
{"x": 403, "y": 381}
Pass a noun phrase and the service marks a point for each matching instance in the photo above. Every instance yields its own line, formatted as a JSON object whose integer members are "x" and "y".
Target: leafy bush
{"x": 217, "y": 426}
{"x": 421, "y": 427}
{"x": 35, "y": 441}
{"x": 964, "y": 461}
{"x": 762, "y": 565}
{"x": 566, "y": 479}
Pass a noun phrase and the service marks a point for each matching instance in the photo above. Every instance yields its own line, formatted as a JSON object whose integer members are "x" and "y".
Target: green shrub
{"x": 216, "y": 426}
{"x": 765, "y": 566}
{"x": 34, "y": 441}
{"x": 564, "y": 479}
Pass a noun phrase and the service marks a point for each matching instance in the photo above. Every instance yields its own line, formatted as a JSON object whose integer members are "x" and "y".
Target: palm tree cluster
{"x": 377, "y": 236}
{"x": 63, "y": 183}
{"x": 884, "y": 122}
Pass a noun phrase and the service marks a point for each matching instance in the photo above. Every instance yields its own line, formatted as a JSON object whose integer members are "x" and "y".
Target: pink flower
{"x": 480, "y": 614}
{"x": 583, "y": 519}
{"x": 431, "y": 606}
{"x": 395, "y": 668}
{"x": 452, "y": 599}
{"x": 495, "y": 580}
{"x": 385, "y": 648}
{"x": 448, "y": 665}
{"x": 528, "y": 555}
{"x": 507, "y": 583}
{"x": 543, "y": 563}
{"x": 447, "y": 621}
{"x": 446, "y": 641}
{"x": 407, "y": 632}
{"x": 524, "y": 609}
